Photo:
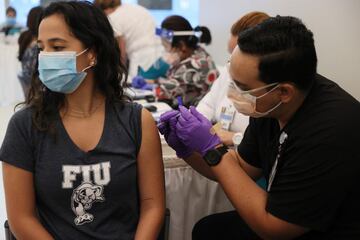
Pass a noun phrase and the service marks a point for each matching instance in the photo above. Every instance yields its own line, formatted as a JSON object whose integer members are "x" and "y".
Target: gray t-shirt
{"x": 81, "y": 195}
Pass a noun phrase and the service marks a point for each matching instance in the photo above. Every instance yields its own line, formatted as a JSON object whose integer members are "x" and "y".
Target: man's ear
{"x": 287, "y": 92}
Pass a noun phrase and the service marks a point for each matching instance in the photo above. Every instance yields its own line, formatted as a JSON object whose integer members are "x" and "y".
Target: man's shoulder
{"x": 328, "y": 99}
{"x": 329, "y": 115}
{"x": 325, "y": 88}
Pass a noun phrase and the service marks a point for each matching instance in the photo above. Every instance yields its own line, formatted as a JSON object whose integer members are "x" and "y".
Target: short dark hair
{"x": 286, "y": 50}
{"x": 179, "y": 23}
{"x": 90, "y": 25}
{"x": 10, "y": 9}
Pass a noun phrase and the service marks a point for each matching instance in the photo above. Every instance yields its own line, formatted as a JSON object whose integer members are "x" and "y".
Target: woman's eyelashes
{"x": 58, "y": 48}
{"x": 52, "y": 48}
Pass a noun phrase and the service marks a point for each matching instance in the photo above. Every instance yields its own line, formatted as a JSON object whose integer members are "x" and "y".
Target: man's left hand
{"x": 195, "y": 131}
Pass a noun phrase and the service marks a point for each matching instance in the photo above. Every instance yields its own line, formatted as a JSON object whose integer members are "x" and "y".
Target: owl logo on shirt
{"x": 82, "y": 199}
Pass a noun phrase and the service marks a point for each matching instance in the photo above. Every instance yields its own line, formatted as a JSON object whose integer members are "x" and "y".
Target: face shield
{"x": 168, "y": 35}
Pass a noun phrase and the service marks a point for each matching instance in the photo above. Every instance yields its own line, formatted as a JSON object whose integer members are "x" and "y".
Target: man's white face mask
{"x": 245, "y": 103}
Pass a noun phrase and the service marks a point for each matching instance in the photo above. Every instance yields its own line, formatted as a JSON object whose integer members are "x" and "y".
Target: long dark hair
{"x": 32, "y": 23}
{"x": 179, "y": 23}
{"x": 90, "y": 25}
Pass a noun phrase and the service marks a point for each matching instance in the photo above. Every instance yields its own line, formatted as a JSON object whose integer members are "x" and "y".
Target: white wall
{"x": 2, "y": 11}
{"x": 335, "y": 24}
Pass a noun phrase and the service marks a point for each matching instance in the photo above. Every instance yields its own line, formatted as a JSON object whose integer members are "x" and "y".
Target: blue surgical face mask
{"x": 57, "y": 71}
{"x": 11, "y": 21}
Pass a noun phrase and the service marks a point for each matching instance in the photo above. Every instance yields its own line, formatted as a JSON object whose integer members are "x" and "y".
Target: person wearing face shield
{"x": 146, "y": 78}
{"x": 191, "y": 69}
{"x": 302, "y": 136}
{"x": 215, "y": 105}
{"x": 160, "y": 67}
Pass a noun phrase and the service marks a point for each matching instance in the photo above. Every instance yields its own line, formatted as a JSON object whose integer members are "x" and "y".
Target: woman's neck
{"x": 85, "y": 99}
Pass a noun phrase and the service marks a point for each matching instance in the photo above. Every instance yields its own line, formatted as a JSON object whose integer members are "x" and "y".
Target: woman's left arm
{"x": 150, "y": 181}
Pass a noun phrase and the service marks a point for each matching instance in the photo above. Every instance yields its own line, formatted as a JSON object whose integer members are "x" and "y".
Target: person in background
{"x": 192, "y": 70}
{"x": 28, "y": 49}
{"x": 303, "y": 137}
{"x": 10, "y": 26}
{"x": 135, "y": 31}
{"x": 158, "y": 69}
{"x": 216, "y": 106}
{"x": 79, "y": 160}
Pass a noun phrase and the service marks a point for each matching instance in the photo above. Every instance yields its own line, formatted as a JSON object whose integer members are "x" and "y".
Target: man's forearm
{"x": 199, "y": 164}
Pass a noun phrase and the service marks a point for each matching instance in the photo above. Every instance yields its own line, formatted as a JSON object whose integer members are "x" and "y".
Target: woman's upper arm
{"x": 19, "y": 192}
{"x": 150, "y": 164}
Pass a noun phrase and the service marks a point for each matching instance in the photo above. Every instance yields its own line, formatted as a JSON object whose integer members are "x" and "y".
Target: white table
{"x": 10, "y": 88}
{"x": 137, "y": 94}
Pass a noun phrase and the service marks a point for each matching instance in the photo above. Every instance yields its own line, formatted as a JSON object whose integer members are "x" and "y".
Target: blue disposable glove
{"x": 138, "y": 82}
{"x": 194, "y": 131}
{"x": 167, "y": 127}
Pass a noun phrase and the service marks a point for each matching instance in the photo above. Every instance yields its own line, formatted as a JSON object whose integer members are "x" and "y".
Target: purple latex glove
{"x": 167, "y": 127}
{"x": 163, "y": 125}
{"x": 194, "y": 131}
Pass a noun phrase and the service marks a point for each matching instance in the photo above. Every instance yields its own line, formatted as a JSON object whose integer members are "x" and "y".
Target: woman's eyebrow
{"x": 53, "y": 40}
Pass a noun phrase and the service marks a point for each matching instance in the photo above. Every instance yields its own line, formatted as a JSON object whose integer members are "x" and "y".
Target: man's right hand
{"x": 167, "y": 127}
